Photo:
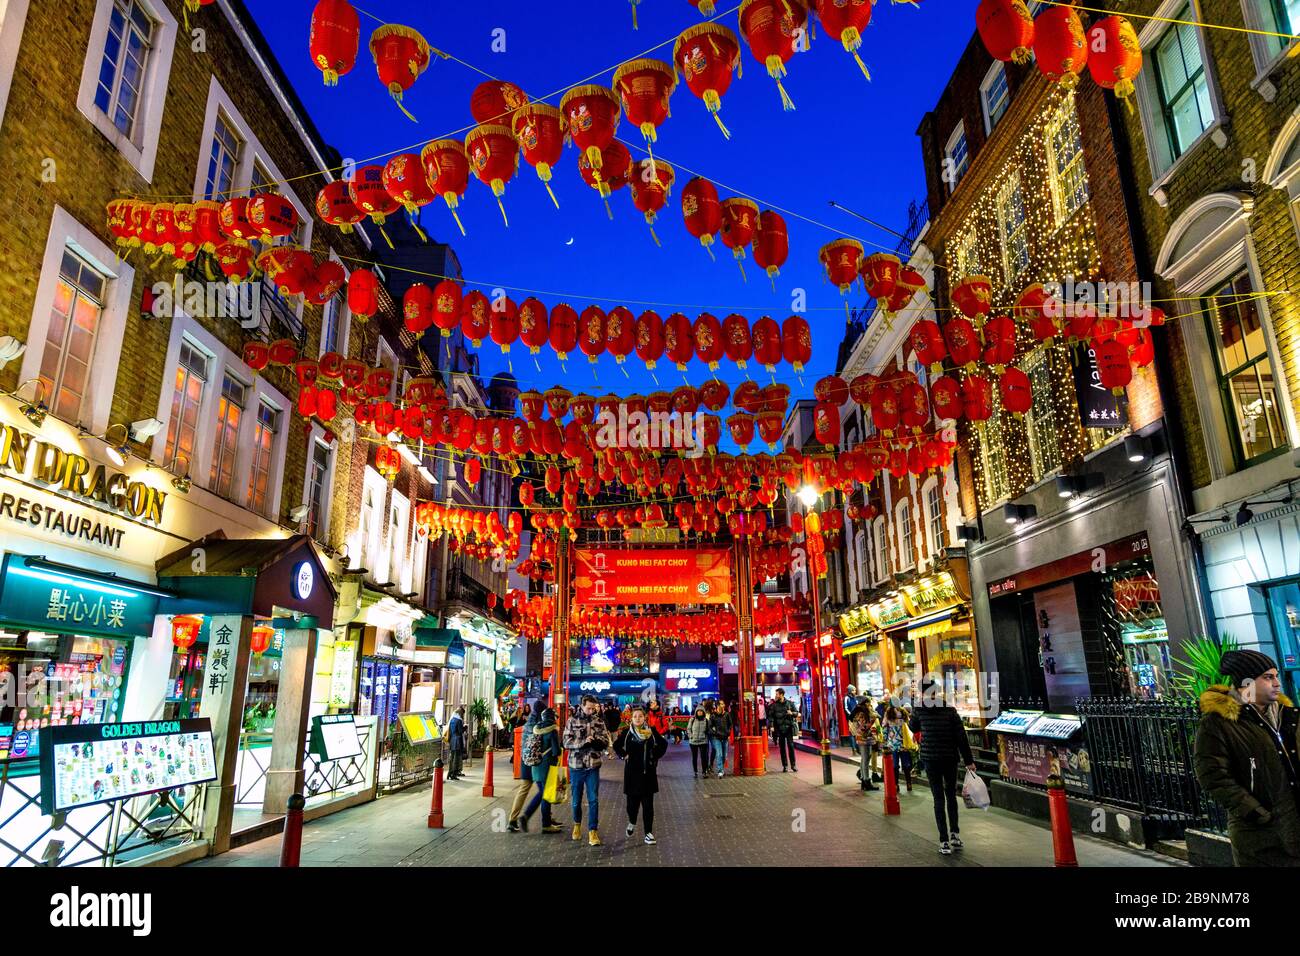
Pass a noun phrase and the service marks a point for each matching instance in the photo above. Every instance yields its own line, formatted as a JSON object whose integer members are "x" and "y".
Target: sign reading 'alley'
{"x": 608, "y": 577}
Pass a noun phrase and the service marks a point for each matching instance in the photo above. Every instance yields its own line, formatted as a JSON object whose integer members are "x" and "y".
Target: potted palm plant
{"x": 481, "y": 713}
{"x": 1199, "y": 668}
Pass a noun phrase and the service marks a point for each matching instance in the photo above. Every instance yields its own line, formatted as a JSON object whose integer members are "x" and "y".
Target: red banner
{"x": 606, "y": 577}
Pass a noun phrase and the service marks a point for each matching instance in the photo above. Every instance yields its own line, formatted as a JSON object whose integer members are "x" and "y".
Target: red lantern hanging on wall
{"x": 739, "y": 222}
{"x": 644, "y": 87}
{"x": 706, "y": 55}
{"x": 447, "y": 168}
{"x": 563, "y": 329}
{"x": 260, "y": 641}
{"x": 494, "y": 158}
{"x": 401, "y": 55}
{"x": 539, "y": 131}
{"x": 1114, "y": 55}
{"x": 702, "y": 211}
{"x": 846, "y": 22}
{"x": 1060, "y": 47}
{"x": 1007, "y": 29}
{"x": 185, "y": 631}
{"x": 592, "y": 113}
{"x": 773, "y": 30}
{"x": 334, "y": 39}
{"x": 1015, "y": 391}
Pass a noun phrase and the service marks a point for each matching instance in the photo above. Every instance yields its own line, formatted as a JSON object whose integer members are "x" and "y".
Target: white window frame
{"x": 1044, "y": 408}
{"x": 998, "y": 69}
{"x": 13, "y": 17}
{"x": 141, "y": 148}
{"x": 883, "y": 569}
{"x": 210, "y": 365}
{"x": 965, "y": 256}
{"x": 66, "y": 232}
{"x": 1012, "y": 238}
{"x": 956, "y": 136}
{"x": 1267, "y": 52}
{"x": 340, "y": 300}
{"x": 315, "y": 437}
{"x": 228, "y": 373}
{"x": 1065, "y": 114}
{"x": 365, "y": 545}
{"x": 934, "y": 541}
{"x": 399, "y": 551}
{"x": 224, "y": 361}
{"x": 1164, "y": 168}
{"x": 906, "y": 534}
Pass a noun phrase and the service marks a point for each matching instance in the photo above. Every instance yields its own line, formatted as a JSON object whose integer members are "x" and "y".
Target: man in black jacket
{"x": 783, "y": 718}
{"x": 942, "y": 740}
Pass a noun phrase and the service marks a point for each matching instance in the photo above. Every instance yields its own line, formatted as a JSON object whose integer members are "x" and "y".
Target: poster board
{"x": 334, "y": 737}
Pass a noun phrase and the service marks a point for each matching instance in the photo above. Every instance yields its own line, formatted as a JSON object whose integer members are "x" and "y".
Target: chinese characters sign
{"x": 609, "y": 577}
{"x": 1098, "y": 407}
{"x": 51, "y": 601}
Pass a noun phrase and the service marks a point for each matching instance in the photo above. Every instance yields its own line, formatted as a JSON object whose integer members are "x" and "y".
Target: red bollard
{"x": 1062, "y": 835}
{"x": 291, "y": 847}
{"x": 892, "y": 807}
{"x": 435, "y": 811}
{"x": 487, "y": 773}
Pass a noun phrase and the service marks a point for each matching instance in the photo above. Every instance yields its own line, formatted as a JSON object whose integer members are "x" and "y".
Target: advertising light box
{"x": 419, "y": 728}
{"x": 98, "y": 763}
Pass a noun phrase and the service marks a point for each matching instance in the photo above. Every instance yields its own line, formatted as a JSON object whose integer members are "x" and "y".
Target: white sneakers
{"x": 945, "y": 848}
{"x": 650, "y": 839}
{"x": 631, "y": 828}
{"x": 955, "y": 842}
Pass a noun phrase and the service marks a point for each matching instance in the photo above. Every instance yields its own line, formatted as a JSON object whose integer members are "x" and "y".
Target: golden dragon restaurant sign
{"x": 69, "y": 475}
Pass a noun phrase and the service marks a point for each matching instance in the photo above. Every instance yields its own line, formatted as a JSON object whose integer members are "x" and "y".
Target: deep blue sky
{"x": 848, "y": 140}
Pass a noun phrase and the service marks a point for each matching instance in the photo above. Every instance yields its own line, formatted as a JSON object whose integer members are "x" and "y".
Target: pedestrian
{"x": 641, "y": 745}
{"x": 719, "y": 731}
{"x": 544, "y": 749}
{"x": 897, "y": 743}
{"x": 456, "y": 743}
{"x": 762, "y": 713}
{"x": 527, "y": 750}
{"x": 610, "y": 716}
{"x": 585, "y": 736}
{"x": 943, "y": 739}
{"x": 866, "y": 734}
{"x": 785, "y": 724}
{"x": 850, "y": 705}
{"x": 697, "y": 735}
{"x": 1247, "y": 760}
{"x": 656, "y": 717}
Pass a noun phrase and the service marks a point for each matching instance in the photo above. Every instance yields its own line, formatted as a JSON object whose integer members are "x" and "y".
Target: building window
{"x": 259, "y": 479}
{"x": 993, "y": 460}
{"x": 70, "y": 340}
{"x": 1069, "y": 177}
{"x": 1181, "y": 85}
{"x": 1278, "y": 22}
{"x": 122, "y": 70}
{"x": 230, "y": 415}
{"x": 318, "y": 488}
{"x": 934, "y": 515}
{"x": 187, "y": 402}
{"x": 956, "y": 157}
{"x": 1044, "y": 441}
{"x": 995, "y": 95}
{"x": 331, "y": 323}
{"x": 1245, "y": 372}
{"x": 907, "y": 553}
{"x": 1013, "y": 230}
{"x": 883, "y": 565}
{"x": 223, "y": 161}
{"x": 965, "y": 257}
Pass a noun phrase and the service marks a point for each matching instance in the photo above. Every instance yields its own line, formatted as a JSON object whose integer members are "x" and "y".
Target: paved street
{"x": 777, "y": 819}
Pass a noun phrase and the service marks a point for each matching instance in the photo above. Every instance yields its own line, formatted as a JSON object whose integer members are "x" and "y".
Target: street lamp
{"x": 809, "y": 496}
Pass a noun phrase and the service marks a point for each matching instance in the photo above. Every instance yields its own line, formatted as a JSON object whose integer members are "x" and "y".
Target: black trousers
{"x": 700, "y": 757}
{"x": 785, "y": 746}
{"x": 646, "y": 803}
{"x": 457, "y": 758}
{"x": 942, "y": 775}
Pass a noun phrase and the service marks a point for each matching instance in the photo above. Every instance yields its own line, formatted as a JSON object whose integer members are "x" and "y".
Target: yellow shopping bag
{"x": 551, "y": 793}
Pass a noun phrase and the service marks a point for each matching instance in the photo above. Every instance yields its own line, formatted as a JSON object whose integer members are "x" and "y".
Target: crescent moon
{"x": 570, "y": 242}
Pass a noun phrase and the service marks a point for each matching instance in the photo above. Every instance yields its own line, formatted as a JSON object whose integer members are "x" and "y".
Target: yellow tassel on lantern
{"x": 714, "y": 104}
{"x": 396, "y": 92}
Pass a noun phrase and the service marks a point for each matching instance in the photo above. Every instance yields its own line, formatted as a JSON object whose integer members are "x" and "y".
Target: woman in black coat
{"x": 641, "y": 747}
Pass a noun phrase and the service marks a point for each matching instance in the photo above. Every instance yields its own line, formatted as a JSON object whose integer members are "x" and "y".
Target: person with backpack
{"x": 862, "y": 724}
{"x": 943, "y": 740}
{"x": 784, "y": 720}
{"x": 527, "y": 746}
{"x": 641, "y": 746}
{"x": 719, "y": 731}
{"x": 544, "y": 751}
{"x": 897, "y": 743}
{"x": 697, "y": 735}
{"x": 585, "y": 737}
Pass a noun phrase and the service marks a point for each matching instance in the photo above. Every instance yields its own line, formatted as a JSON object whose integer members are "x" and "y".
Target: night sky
{"x": 848, "y": 140}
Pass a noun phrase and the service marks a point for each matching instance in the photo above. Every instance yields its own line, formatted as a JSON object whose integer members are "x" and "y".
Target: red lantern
{"x": 706, "y": 55}
{"x": 503, "y": 323}
{"x": 474, "y": 317}
{"x": 417, "y": 308}
{"x": 833, "y": 389}
{"x": 737, "y": 341}
{"x": 334, "y": 39}
{"x": 405, "y": 181}
{"x": 539, "y": 131}
{"x": 649, "y": 331}
{"x": 325, "y": 282}
{"x": 185, "y": 631}
{"x": 650, "y": 189}
{"x": 841, "y": 259}
{"x": 977, "y": 398}
{"x": 644, "y": 87}
{"x": 846, "y": 22}
{"x": 770, "y": 424}
{"x": 1142, "y": 351}
{"x": 1032, "y": 308}
{"x": 879, "y": 273}
{"x": 926, "y": 340}
{"x": 592, "y": 113}
{"x": 739, "y": 222}
{"x": 702, "y": 211}
{"x": 494, "y": 158}
{"x": 886, "y": 410}
{"x": 495, "y": 101}
{"x": 446, "y": 166}
{"x": 767, "y": 343}
{"x": 335, "y": 206}
{"x": 860, "y": 388}
{"x": 771, "y": 244}
{"x": 271, "y": 214}
{"x": 400, "y": 55}
{"x": 679, "y": 340}
{"x": 910, "y": 282}
{"x": 1115, "y": 56}
{"x": 234, "y": 222}
{"x": 1007, "y": 29}
{"x": 447, "y": 306}
{"x": 533, "y": 326}
{"x": 613, "y": 173}
{"x": 591, "y": 337}
{"x": 774, "y": 29}
{"x": 999, "y": 342}
{"x": 472, "y": 471}
{"x": 796, "y": 342}
{"x": 564, "y": 329}
{"x": 714, "y": 394}
{"x": 945, "y": 396}
{"x": 262, "y": 635}
{"x": 963, "y": 342}
{"x": 826, "y": 423}
{"x": 741, "y": 427}
{"x": 1113, "y": 365}
{"x": 914, "y": 405}
{"x": 235, "y": 260}
{"x": 708, "y": 340}
{"x": 1059, "y": 45}
{"x": 257, "y": 355}
{"x": 619, "y": 333}
{"x": 973, "y": 295}
{"x": 370, "y": 195}
{"x": 1015, "y": 391}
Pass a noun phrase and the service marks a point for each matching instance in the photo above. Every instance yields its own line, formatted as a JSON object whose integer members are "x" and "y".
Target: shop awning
{"x": 854, "y": 645}
{"x": 444, "y": 639}
{"x": 504, "y": 683}
{"x": 930, "y": 624}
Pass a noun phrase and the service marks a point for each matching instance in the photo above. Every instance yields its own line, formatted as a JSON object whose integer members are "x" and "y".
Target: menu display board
{"x": 334, "y": 737}
{"x": 1055, "y": 726}
{"x": 83, "y": 765}
{"x": 1014, "y": 721}
{"x": 419, "y": 728}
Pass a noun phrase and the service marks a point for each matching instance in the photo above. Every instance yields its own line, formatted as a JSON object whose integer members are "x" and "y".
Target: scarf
{"x": 642, "y": 733}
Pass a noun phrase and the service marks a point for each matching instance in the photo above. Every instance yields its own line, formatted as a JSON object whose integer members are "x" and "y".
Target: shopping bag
{"x": 975, "y": 792}
{"x": 552, "y": 783}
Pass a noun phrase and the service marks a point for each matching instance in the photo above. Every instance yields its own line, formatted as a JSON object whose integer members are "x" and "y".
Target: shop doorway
{"x": 1283, "y": 601}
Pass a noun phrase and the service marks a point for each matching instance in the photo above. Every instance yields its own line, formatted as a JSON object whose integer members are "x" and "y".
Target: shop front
{"x": 774, "y": 670}
{"x": 623, "y": 690}
{"x": 688, "y": 684}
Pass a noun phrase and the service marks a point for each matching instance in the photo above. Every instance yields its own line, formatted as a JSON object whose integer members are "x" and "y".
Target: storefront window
{"x": 869, "y": 674}
{"x": 1284, "y": 612}
{"x": 950, "y": 657}
{"x": 1131, "y": 606}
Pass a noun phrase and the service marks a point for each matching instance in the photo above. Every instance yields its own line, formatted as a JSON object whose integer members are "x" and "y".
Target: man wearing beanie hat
{"x": 1248, "y": 759}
